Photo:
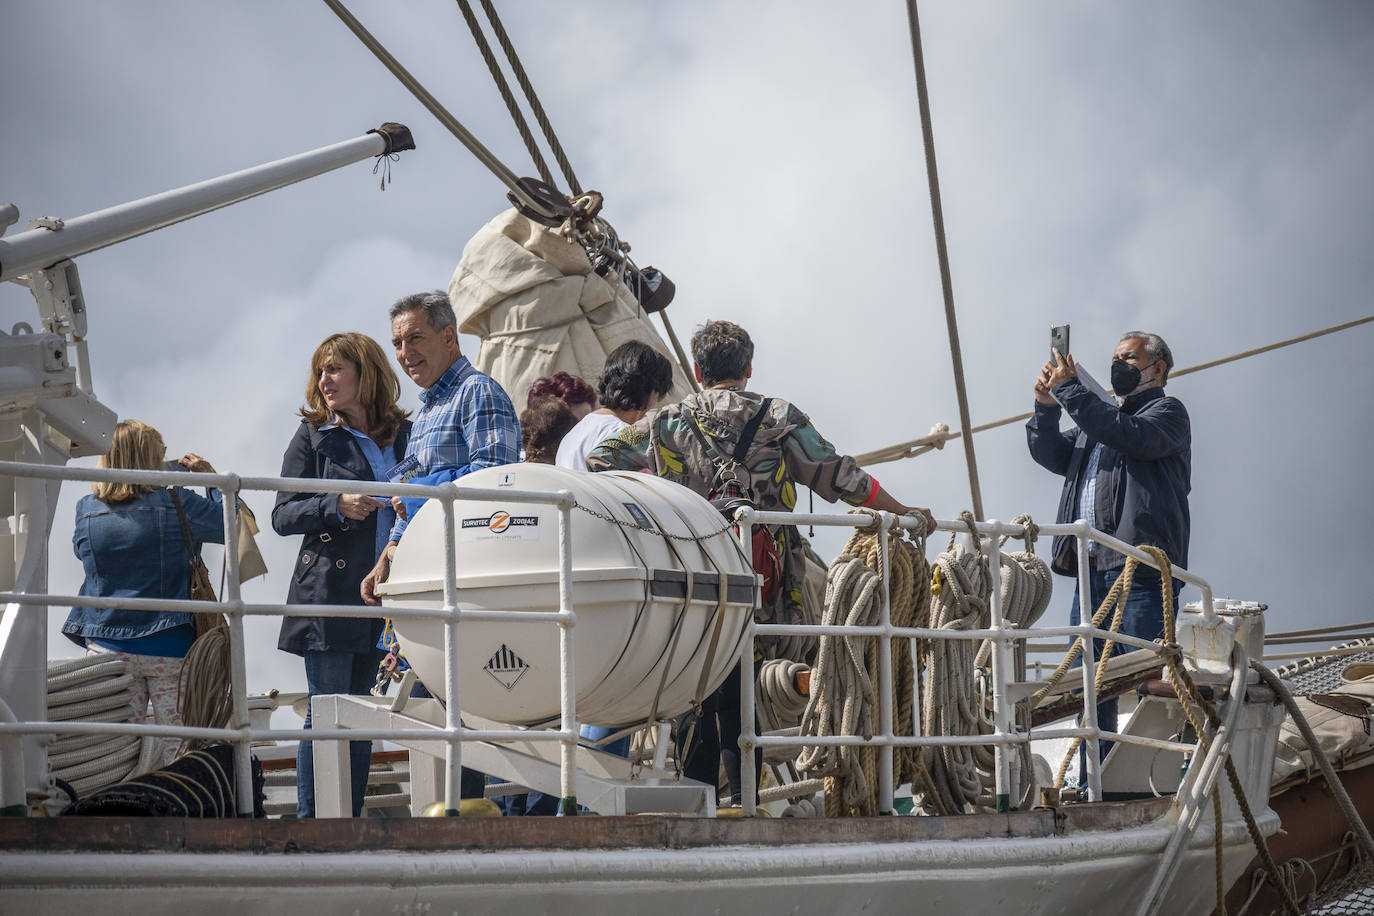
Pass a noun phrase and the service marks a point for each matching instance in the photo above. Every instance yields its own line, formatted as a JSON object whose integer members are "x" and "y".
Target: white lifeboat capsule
{"x": 629, "y": 593}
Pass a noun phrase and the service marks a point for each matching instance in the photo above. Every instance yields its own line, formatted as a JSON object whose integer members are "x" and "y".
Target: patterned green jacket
{"x": 786, "y": 451}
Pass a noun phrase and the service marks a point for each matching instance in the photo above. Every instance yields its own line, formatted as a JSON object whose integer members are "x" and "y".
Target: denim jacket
{"x": 136, "y": 550}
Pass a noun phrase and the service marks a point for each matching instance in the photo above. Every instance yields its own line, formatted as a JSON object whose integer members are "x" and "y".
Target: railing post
{"x": 238, "y": 663}
{"x": 748, "y": 737}
{"x": 1086, "y": 609}
{"x": 567, "y": 803}
{"x": 1201, "y": 779}
{"x": 453, "y": 708}
{"x": 885, "y": 753}
{"x": 13, "y": 800}
{"x": 1005, "y": 784}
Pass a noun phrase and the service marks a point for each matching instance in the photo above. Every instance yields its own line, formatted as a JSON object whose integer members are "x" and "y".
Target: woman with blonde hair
{"x": 351, "y": 429}
{"x": 130, "y": 542}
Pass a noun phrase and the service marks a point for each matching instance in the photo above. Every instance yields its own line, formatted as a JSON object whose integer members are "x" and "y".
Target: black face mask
{"x": 1125, "y": 377}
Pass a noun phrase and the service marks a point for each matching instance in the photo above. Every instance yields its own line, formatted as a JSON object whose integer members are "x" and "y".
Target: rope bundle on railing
{"x": 959, "y": 602}
{"x": 94, "y": 688}
{"x": 205, "y": 691}
{"x": 1026, "y": 588}
{"x": 843, "y": 698}
{"x": 780, "y": 703}
{"x": 198, "y": 784}
{"x": 963, "y": 776}
{"x": 843, "y": 682}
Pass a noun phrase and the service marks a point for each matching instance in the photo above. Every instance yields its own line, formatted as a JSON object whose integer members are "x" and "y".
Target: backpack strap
{"x": 746, "y": 436}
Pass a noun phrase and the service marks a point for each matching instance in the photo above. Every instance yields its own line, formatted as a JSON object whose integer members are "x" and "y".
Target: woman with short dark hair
{"x": 633, "y": 381}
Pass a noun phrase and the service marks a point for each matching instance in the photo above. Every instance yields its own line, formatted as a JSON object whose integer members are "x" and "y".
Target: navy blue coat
{"x": 1144, "y": 471}
{"x": 336, "y": 554}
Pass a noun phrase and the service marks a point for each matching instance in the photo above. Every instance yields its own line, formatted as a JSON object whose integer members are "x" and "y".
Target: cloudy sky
{"x": 1200, "y": 170}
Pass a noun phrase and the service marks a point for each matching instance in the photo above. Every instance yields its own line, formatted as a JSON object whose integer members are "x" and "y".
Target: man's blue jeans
{"x": 1142, "y": 617}
{"x": 327, "y": 672}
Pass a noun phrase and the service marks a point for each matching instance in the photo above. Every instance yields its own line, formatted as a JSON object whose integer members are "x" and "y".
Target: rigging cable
{"x": 939, "y": 436}
{"x": 484, "y": 155}
{"x": 530, "y": 96}
{"x": 937, "y": 216}
{"x": 512, "y": 106}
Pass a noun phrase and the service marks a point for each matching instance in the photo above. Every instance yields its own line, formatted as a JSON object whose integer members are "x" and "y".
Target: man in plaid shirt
{"x": 466, "y": 420}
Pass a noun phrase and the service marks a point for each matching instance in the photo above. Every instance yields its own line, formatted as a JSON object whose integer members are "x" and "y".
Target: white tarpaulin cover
{"x": 1341, "y": 734}
{"x": 532, "y": 297}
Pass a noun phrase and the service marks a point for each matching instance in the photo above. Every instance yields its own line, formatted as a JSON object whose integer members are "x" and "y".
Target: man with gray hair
{"x": 1127, "y": 471}
{"x": 466, "y": 420}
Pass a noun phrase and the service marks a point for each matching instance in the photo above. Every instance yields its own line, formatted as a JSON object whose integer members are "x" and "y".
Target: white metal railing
{"x": 231, "y": 604}
{"x": 1004, "y": 733}
{"x": 453, "y": 734}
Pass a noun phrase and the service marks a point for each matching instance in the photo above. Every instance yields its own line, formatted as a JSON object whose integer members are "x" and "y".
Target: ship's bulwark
{"x": 1078, "y": 859}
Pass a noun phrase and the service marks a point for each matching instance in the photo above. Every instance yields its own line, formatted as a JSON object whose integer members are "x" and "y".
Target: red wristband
{"x": 872, "y": 494}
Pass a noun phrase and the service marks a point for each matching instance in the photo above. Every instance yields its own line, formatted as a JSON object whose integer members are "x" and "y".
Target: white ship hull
{"x": 1061, "y": 870}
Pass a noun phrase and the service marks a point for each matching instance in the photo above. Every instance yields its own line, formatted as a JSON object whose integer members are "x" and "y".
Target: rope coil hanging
{"x": 95, "y": 688}
{"x": 964, "y": 777}
{"x": 843, "y": 693}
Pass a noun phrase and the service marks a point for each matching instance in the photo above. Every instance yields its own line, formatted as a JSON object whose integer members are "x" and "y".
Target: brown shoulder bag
{"x": 201, "y": 587}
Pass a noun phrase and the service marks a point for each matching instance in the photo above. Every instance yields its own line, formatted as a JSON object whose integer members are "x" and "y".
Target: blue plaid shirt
{"x": 1087, "y": 496}
{"x": 466, "y": 422}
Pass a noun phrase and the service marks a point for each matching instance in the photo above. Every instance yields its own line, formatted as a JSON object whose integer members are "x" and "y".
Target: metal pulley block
{"x": 651, "y": 287}
{"x": 548, "y": 197}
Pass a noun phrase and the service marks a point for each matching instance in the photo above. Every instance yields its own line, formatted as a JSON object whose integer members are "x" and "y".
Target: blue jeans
{"x": 620, "y": 746}
{"x": 329, "y": 672}
{"x": 1143, "y": 617}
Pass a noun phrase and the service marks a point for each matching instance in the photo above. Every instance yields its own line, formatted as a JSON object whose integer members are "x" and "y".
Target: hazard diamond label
{"x": 507, "y": 667}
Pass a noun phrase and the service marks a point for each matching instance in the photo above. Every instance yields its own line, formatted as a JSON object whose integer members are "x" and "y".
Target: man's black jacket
{"x": 1144, "y": 472}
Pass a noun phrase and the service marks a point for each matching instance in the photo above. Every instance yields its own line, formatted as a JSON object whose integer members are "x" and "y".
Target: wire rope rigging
{"x": 577, "y": 215}
{"x": 941, "y": 433}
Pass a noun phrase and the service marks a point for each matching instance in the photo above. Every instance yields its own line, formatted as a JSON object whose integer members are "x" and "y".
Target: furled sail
{"x": 534, "y": 299}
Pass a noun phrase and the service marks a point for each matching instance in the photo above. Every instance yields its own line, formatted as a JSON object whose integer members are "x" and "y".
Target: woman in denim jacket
{"x": 130, "y": 544}
{"x": 351, "y": 429}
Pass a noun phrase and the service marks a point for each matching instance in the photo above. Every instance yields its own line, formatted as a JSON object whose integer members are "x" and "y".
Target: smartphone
{"x": 173, "y": 466}
{"x": 1059, "y": 340}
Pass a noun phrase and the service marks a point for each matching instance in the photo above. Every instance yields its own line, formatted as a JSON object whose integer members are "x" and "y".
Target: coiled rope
{"x": 205, "y": 692}
{"x": 843, "y": 693}
{"x": 961, "y": 777}
{"x": 94, "y": 688}
{"x": 781, "y": 705}
{"x": 198, "y": 784}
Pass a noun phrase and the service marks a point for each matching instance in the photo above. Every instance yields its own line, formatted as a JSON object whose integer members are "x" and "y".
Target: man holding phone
{"x": 1127, "y": 471}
